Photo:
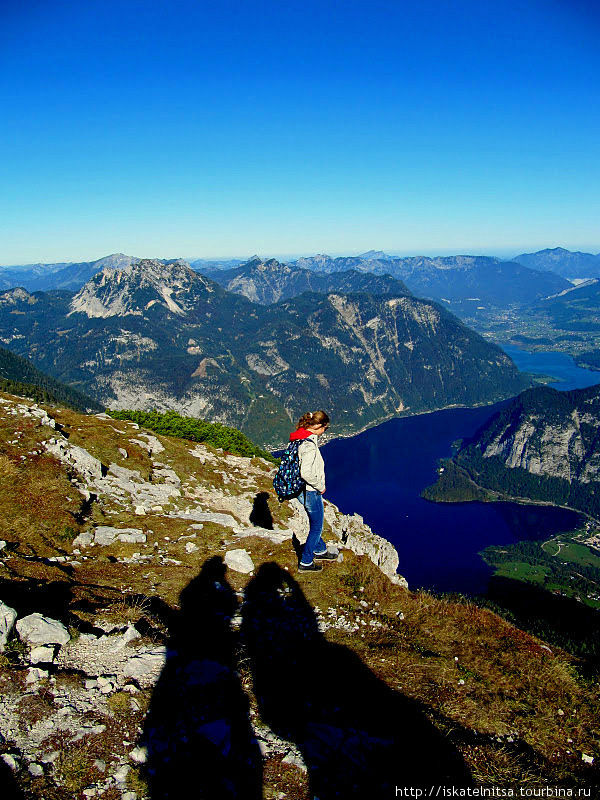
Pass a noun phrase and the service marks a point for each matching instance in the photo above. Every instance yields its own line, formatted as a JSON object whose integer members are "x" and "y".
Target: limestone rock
{"x": 85, "y": 539}
{"x": 7, "y": 620}
{"x": 294, "y": 759}
{"x": 83, "y": 462}
{"x": 36, "y": 629}
{"x": 145, "y": 667}
{"x": 43, "y": 654}
{"x": 10, "y": 761}
{"x": 226, "y": 520}
{"x": 139, "y": 755}
{"x": 239, "y": 561}
{"x": 358, "y": 537}
{"x": 275, "y": 536}
{"x": 106, "y": 535}
{"x": 35, "y": 674}
{"x": 152, "y": 444}
{"x": 130, "y": 634}
{"x": 132, "y": 536}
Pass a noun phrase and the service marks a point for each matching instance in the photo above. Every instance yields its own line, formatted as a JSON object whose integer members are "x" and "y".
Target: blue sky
{"x": 179, "y": 128}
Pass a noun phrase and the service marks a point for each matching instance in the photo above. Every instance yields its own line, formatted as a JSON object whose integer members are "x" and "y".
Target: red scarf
{"x": 301, "y": 433}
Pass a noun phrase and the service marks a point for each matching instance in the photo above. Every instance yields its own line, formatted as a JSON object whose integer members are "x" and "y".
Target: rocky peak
{"x": 14, "y": 296}
{"x": 115, "y": 260}
{"x": 133, "y": 288}
{"x": 271, "y": 265}
{"x": 371, "y": 255}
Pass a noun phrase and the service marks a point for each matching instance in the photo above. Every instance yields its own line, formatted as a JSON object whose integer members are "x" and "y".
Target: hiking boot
{"x": 326, "y": 556}
{"x": 310, "y": 568}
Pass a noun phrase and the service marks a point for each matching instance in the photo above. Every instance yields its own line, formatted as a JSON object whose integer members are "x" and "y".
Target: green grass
{"x": 520, "y": 571}
{"x": 576, "y": 553}
{"x": 196, "y": 430}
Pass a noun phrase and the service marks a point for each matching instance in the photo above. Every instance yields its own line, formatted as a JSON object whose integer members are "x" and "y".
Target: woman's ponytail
{"x": 313, "y": 418}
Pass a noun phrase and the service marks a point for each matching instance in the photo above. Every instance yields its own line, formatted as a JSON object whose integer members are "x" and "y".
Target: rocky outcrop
{"x": 36, "y": 629}
{"x": 357, "y": 536}
{"x": 543, "y": 446}
{"x": 548, "y": 433}
{"x": 8, "y": 617}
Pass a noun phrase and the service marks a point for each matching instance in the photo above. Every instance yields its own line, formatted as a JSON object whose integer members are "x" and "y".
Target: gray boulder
{"x": 145, "y": 667}
{"x": 226, "y": 520}
{"x": 105, "y": 535}
{"x": 7, "y": 621}
{"x": 43, "y": 654}
{"x": 239, "y": 561}
{"x": 83, "y": 462}
{"x": 83, "y": 540}
{"x": 39, "y": 630}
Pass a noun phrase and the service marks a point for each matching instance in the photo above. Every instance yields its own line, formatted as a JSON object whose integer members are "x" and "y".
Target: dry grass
{"x": 75, "y": 767}
{"x": 136, "y": 782}
{"x": 120, "y": 703}
{"x": 34, "y": 510}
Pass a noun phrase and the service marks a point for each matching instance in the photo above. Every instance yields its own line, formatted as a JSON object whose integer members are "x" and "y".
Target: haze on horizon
{"x": 227, "y": 129}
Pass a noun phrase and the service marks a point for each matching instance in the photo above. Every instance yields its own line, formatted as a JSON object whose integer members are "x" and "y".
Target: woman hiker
{"x": 312, "y": 470}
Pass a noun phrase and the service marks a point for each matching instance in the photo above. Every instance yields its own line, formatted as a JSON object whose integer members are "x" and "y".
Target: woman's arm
{"x": 312, "y": 468}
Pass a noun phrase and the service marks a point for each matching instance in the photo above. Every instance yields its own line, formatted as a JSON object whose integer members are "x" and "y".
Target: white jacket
{"x": 312, "y": 467}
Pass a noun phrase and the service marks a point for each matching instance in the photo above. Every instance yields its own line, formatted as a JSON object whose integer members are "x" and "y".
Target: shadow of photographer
{"x": 9, "y": 790}
{"x": 358, "y": 737}
{"x": 197, "y": 730}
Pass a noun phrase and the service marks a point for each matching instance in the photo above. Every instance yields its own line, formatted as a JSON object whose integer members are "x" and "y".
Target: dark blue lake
{"x": 380, "y": 474}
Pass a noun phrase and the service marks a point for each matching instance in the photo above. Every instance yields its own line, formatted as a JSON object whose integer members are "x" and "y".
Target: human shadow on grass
{"x": 358, "y": 737}
{"x": 197, "y": 731}
{"x": 9, "y": 789}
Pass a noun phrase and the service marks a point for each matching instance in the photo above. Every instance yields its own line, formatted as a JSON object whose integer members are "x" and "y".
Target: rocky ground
{"x": 154, "y": 631}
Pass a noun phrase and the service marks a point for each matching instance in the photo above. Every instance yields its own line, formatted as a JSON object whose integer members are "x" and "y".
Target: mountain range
{"x": 154, "y": 335}
{"x": 454, "y": 279}
{"x": 71, "y": 276}
{"x": 572, "y": 265}
{"x": 576, "y": 309}
{"x": 268, "y": 282}
{"x": 462, "y": 282}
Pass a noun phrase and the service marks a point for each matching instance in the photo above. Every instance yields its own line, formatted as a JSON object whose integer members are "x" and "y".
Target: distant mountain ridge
{"x": 563, "y": 262}
{"x": 270, "y": 281}
{"x": 457, "y": 280}
{"x": 46, "y": 277}
{"x": 135, "y": 287}
{"x": 424, "y": 275}
{"x": 153, "y": 335}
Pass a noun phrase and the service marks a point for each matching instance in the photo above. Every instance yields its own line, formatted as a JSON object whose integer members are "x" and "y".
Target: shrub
{"x": 196, "y": 430}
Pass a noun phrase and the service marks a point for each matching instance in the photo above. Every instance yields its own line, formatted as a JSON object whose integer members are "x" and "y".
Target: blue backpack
{"x": 287, "y": 482}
